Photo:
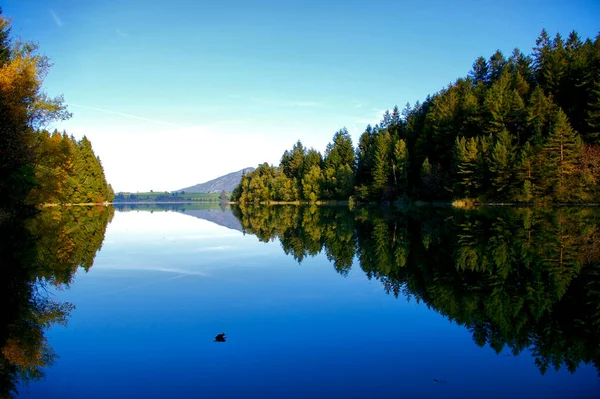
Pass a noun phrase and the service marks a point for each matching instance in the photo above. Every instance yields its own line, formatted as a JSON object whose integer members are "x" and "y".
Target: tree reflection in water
{"x": 40, "y": 253}
{"x": 515, "y": 278}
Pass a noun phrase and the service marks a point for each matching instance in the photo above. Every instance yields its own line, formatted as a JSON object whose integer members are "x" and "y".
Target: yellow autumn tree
{"x": 24, "y": 107}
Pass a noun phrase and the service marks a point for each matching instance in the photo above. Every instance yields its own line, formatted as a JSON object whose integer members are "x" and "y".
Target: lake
{"x": 319, "y": 302}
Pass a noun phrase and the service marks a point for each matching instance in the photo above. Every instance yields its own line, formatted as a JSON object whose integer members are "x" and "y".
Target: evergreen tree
{"x": 561, "y": 157}
{"x": 501, "y": 166}
{"x": 340, "y": 151}
{"x": 593, "y": 112}
{"x": 292, "y": 163}
{"x": 496, "y": 66}
{"x": 339, "y": 166}
{"x": 525, "y": 173}
{"x": 493, "y": 135}
{"x": 381, "y": 163}
{"x": 480, "y": 72}
{"x": 539, "y": 113}
{"x": 400, "y": 165}
{"x": 312, "y": 184}
{"x": 466, "y": 155}
{"x": 364, "y": 161}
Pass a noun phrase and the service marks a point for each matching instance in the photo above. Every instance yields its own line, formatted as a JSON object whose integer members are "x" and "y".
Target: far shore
{"x": 461, "y": 204}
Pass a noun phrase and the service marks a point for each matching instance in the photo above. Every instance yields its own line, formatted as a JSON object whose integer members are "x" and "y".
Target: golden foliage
{"x": 21, "y": 92}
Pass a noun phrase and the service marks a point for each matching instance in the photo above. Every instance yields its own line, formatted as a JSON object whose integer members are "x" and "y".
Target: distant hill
{"x": 227, "y": 183}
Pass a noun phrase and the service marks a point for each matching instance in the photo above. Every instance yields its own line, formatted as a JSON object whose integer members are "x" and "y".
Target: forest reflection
{"x": 41, "y": 254}
{"x": 522, "y": 279}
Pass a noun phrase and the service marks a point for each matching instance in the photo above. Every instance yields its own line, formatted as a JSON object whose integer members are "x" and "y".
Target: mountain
{"x": 227, "y": 182}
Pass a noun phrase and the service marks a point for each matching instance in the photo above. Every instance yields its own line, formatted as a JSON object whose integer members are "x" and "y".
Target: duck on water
{"x": 220, "y": 338}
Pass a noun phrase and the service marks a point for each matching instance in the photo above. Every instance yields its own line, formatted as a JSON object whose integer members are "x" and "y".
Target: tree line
{"x": 37, "y": 166}
{"x": 520, "y": 129}
{"x": 66, "y": 170}
{"x": 517, "y": 279}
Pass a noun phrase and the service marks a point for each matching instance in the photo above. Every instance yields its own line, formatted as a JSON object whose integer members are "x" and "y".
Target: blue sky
{"x": 174, "y": 93}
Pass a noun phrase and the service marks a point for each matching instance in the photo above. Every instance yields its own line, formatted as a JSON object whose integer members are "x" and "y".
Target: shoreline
{"x": 459, "y": 204}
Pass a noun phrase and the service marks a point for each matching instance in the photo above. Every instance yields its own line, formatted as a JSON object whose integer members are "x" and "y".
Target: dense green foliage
{"x": 57, "y": 168}
{"x": 67, "y": 171}
{"x": 39, "y": 254}
{"x": 187, "y": 207}
{"x": 515, "y": 278}
{"x": 166, "y": 196}
{"x": 516, "y": 129}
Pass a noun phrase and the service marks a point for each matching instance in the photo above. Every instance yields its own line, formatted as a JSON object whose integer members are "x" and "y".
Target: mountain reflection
{"x": 219, "y": 214}
{"x": 40, "y": 254}
{"x": 515, "y": 278}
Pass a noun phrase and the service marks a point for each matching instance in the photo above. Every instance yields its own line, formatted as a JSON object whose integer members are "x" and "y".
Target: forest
{"x": 519, "y": 280}
{"x": 522, "y": 129}
{"x": 38, "y": 167}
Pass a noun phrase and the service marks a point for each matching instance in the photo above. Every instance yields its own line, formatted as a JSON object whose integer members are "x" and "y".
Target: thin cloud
{"x": 130, "y": 287}
{"x": 56, "y": 19}
{"x": 275, "y": 102}
{"x": 108, "y": 111}
{"x": 284, "y": 103}
{"x": 373, "y": 119}
{"x": 306, "y": 104}
{"x": 121, "y": 33}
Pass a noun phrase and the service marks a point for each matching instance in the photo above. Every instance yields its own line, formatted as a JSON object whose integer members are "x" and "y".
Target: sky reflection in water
{"x": 164, "y": 284}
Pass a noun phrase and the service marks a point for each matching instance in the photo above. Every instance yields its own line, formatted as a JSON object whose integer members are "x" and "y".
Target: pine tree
{"x": 501, "y": 166}
{"x": 525, "y": 173}
{"x": 340, "y": 151}
{"x": 521, "y": 64}
{"x": 364, "y": 157}
{"x": 541, "y": 56}
{"x": 292, "y": 162}
{"x": 466, "y": 155}
{"x": 339, "y": 157}
{"x": 496, "y": 66}
{"x": 593, "y": 112}
{"x": 480, "y": 72}
{"x": 562, "y": 153}
{"x": 400, "y": 167}
{"x": 498, "y": 102}
{"x": 381, "y": 163}
{"x": 539, "y": 113}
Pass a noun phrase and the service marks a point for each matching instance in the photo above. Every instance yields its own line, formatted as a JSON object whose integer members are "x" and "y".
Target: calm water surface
{"x": 165, "y": 284}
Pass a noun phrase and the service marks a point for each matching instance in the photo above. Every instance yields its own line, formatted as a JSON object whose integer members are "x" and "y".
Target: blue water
{"x": 164, "y": 284}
